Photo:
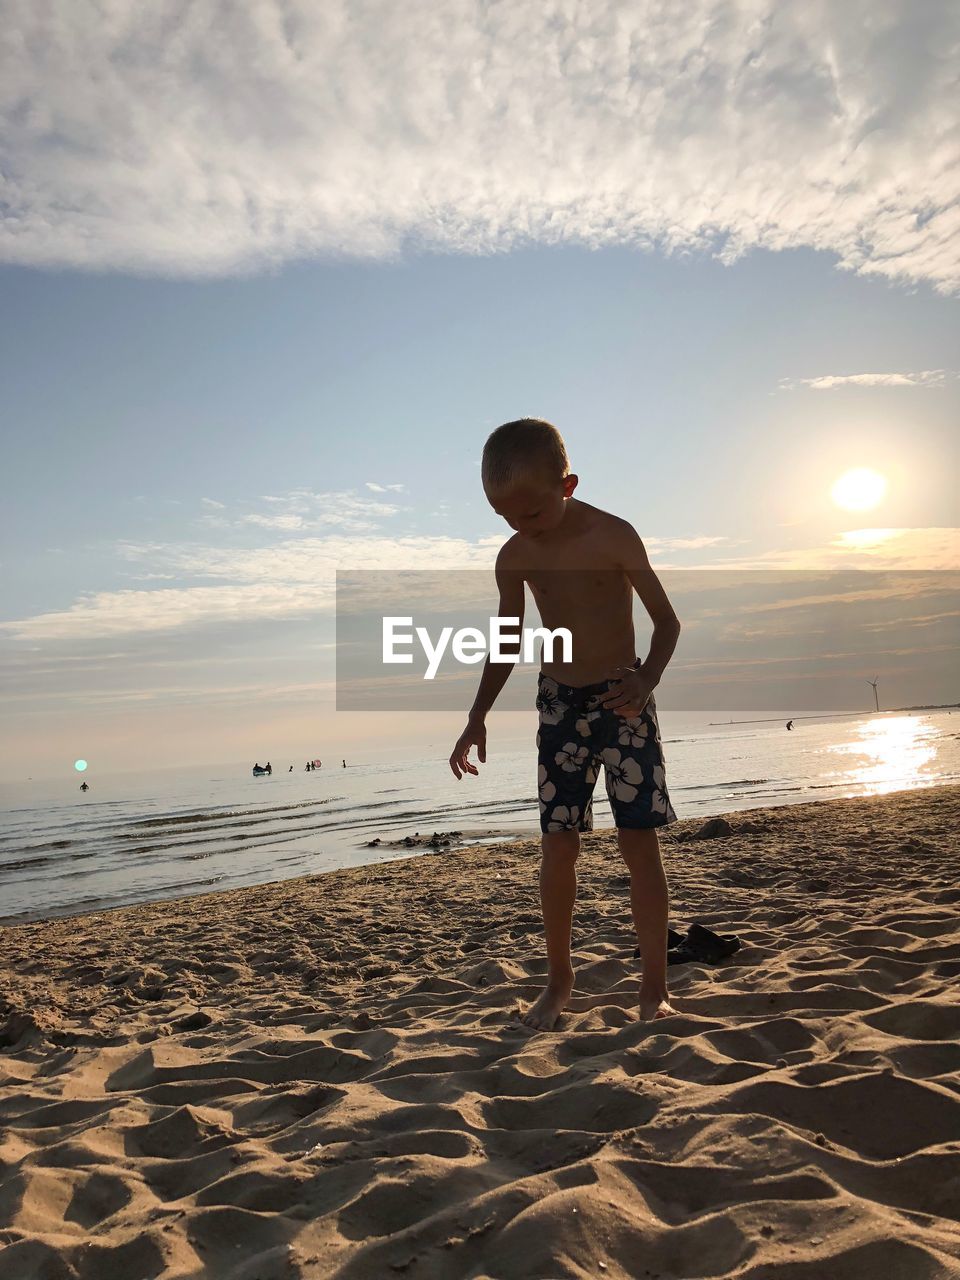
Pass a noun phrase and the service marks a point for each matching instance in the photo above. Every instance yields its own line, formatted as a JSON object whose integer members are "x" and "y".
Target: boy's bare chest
{"x": 583, "y": 577}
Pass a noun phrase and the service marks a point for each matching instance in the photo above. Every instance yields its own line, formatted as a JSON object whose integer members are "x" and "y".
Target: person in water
{"x": 84, "y": 787}
{"x": 583, "y": 566}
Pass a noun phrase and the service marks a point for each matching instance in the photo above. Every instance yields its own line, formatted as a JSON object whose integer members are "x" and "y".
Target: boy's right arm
{"x": 495, "y": 675}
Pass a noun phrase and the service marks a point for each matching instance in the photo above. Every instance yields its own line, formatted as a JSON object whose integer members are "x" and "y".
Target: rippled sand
{"x": 321, "y": 1077}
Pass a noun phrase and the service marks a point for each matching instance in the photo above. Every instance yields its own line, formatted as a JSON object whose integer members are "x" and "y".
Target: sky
{"x": 269, "y": 276}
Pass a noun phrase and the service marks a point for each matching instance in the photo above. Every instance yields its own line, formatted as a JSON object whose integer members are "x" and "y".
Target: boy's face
{"x": 533, "y": 507}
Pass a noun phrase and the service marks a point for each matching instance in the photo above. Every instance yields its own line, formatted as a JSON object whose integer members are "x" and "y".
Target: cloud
{"x": 305, "y": 511}
{"x": 275, "y": 522}
{"x": 900, "y": 548}
{"x": 295, "y": 579}
{"x": 687, "y": 544}
{"x": 923, "y": 620}
{"x": 104, "y": 614}
{"x": 930, "y": 549}
{"x": 829, "y": 382}
{"x": 221, "y": 138}
{"x": 214, "y": 583}
{"x": 384, "y": 488}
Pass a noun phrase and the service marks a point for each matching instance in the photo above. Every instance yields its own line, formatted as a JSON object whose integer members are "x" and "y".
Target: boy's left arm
{"x": 636, "y": 689}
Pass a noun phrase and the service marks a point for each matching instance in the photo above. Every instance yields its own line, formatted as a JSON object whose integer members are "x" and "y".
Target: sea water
{"x": 138, "y": 837}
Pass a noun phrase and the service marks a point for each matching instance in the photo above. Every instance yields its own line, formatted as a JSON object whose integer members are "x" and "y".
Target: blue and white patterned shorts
{"x": 576, "y": 735}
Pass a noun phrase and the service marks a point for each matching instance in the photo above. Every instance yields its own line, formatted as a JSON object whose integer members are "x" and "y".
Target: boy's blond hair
{"x": 529, "y": 448}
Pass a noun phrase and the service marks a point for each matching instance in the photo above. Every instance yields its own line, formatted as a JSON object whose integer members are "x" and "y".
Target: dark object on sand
{"x": 673, "y": 940}
{"x": 712, "y": 828}
{"x": 708, "y": 946}
{"x": 701, "y": 945}
{"x": 439, "y": 840}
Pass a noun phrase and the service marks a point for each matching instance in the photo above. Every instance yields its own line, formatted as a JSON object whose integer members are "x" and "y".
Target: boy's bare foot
{"x": 654, "y": 1007}
{"x": 545, "y": 1011}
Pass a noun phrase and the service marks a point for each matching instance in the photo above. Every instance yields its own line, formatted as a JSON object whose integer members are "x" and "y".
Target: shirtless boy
{"x": 582, "y": 565}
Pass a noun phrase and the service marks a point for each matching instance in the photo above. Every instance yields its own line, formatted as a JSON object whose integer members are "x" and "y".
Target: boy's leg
{"x": 567, "y": 772}
{"x": 558, "y": 892}
{"x": 649, "y": 901}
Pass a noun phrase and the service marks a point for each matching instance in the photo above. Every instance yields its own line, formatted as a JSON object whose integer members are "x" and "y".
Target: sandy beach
{"x": 322, "y": 1077}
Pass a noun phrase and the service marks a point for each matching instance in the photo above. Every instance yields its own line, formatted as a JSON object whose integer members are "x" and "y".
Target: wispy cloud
{"x": 900, "y": 548}
{"x": 223, "y": 138}
{"x": 384, "y": 488}
{"x": 687, "y": 544}
{"x": 830, "y": 381}
{"x": 304, "y": 511}
{"x": 933, "y": 549}
{"x": 275, "y": 522}
{"x": 103, "y": 614}
{"x": 294, "y": 579}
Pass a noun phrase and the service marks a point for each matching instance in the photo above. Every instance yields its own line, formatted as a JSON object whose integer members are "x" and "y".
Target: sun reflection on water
{"x": 890, "y": 755}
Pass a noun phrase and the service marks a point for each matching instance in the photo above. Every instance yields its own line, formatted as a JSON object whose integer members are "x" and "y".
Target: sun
{"x": 859, "y": 489}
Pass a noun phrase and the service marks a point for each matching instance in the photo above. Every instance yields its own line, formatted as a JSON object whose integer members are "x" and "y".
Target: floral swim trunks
{"x": 576, "y": 735}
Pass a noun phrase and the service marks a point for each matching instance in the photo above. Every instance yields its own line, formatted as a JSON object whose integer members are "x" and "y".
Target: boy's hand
{"x": 474, "y": 735}
{"x": 630, "y": 694}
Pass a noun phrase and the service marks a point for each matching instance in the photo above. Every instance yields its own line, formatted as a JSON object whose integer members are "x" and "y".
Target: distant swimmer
{"x": 290, "y": 770}
{"x": 344, "y": 764}
{"x": 789, "y": 724}
{"x": 84, "y": 787}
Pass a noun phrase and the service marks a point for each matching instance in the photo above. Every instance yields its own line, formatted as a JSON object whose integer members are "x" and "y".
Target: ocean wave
{"x": 718, "y": 786}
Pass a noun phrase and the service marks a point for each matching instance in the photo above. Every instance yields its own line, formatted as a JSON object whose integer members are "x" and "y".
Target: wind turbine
{"x": 873, "y": 683}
